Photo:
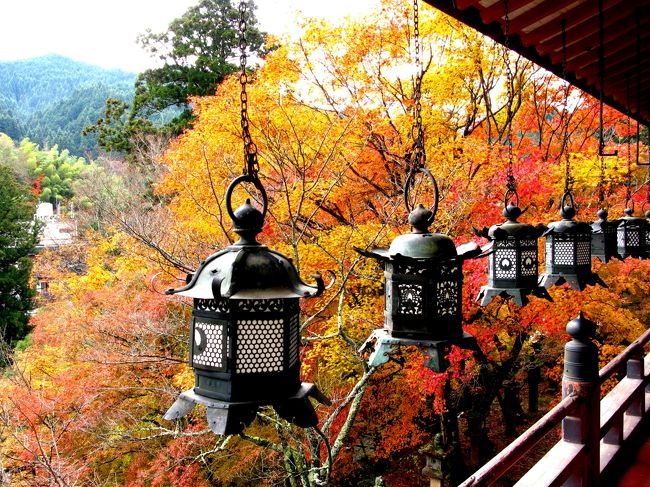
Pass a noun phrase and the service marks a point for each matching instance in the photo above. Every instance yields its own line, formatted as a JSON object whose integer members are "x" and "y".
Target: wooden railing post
{"x": 635, "y": 371}
{"x": 581, "y": 378}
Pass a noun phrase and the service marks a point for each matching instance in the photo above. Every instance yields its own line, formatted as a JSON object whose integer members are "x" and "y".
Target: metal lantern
{"x": 513, "y": 260}
{"x": 632, "y": 236}
{"x": 244, "y": 335}
{"x": 423, "y": 290}
{"x": 603, "y": 237}
{"x": 568, "y": 251}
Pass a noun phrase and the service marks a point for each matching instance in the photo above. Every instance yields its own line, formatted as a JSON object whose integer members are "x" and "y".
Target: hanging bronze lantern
{"x": 632, "y": 236}
{"x": 513, "y": 258}
{"x": 423, "y": 289}
{"x": 245, "y": 332}
{"x": 568, "y": 250}
{"x": 603, "y": 237}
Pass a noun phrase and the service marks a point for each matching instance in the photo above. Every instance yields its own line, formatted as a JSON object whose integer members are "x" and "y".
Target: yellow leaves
{"x": 184, "y": 379}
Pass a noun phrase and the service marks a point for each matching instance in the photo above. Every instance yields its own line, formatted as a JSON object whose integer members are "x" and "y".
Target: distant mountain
{"x": 50, "y": 99}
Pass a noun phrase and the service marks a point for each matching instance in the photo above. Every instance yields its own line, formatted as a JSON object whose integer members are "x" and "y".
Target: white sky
{"x": 104, "y": 32}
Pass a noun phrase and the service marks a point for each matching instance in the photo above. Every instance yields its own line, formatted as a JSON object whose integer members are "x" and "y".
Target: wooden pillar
{"x": 635, "y": 367}
{"x": 581, "y": 378}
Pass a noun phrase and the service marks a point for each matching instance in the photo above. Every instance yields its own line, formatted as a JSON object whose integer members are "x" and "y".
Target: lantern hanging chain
{"x": 419, "y": 155}
{"x": 251, "y": 165}
{"x": 628, "y": 189}
{"x": 511, "y": 183}
{"x": 601, "y": 183}
{"x": 568, "y": 179}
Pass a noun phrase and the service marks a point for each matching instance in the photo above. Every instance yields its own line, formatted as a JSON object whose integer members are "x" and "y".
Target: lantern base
{"x": 229, "y": 418}
{"x": 518, "y": 294}
{"x": 575, "y": 281}
{"x": 381, "y": 343}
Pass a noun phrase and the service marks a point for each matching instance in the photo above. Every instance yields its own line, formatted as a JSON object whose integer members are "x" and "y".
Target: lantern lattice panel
{"x": 506, "y": 263}
{"x": 529, "y": 262}
{"x": 628, "y": 238}
{"x": 584, "y": 252}
{"x": 260, "y": 346}
{"x": 447, "y": 293}
{"x": 563, "y": 253}
{"x": 410, "y": 299}
{"x": 209, "y": 341}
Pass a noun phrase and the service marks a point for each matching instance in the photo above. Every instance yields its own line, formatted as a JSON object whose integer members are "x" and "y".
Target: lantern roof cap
{"x": 567, "y": 224}
{"x": 247, "y": 269}
{"x": 599, "y": 225}
{"x": 512, "y": 228}
{"x": 419, "y": 245}
{"x": 630, "y": 220}
{"x": 247, "y": 272}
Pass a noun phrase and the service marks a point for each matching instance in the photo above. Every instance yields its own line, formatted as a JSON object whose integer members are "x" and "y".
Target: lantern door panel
{"x": 209, "y": 344}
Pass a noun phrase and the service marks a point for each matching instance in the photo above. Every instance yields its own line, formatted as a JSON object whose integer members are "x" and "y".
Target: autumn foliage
{"x": 331, "y": 115}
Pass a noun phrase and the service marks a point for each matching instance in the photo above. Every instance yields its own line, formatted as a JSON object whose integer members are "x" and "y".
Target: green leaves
{"x": 17, "y": 240}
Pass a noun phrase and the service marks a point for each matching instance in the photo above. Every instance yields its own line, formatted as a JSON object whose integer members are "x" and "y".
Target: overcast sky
{"x": 104, "y": 32}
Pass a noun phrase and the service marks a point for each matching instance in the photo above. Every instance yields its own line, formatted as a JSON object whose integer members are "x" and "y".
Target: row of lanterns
{"x": 245, "y": 331}
{"x": 245, "y": 321}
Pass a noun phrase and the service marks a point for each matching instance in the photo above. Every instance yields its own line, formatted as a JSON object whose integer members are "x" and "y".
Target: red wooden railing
{"x": 594, "y": 432}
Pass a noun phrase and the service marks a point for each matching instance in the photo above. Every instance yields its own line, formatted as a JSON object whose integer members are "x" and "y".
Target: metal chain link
{"x": 251, "y": 165}
{"x": 511, "y": 182}
{"x": 417, "y": 132}
{"x": 628, "y": 189}
{"x": 568, "y": 179}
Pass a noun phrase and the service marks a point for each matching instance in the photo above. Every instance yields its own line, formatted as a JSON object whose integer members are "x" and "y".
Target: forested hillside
{"x": 50, "y": 99}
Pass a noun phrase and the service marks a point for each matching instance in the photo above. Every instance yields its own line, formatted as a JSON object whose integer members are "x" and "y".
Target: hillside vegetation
{"x": 50, "y": 99}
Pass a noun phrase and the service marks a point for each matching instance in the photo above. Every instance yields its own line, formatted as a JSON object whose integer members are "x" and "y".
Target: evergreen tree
{"x": 18, "y": 237}
{"x": 198, "y": 51}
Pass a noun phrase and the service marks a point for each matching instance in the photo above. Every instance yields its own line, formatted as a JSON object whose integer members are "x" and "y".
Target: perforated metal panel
{"x": 529, "y": 262}
{"x": 563, "y": 252}
{"x": 583, "y": 252}
{"x": 260, "y": 346}
{"x": 620, "y": 238}
{"x": 447, "y": 294}
{"x": 208, "y": 343}
{"x": 410, "y": 299}
{"x": 506, "y": 260}
{"x": 528, "y": 243}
